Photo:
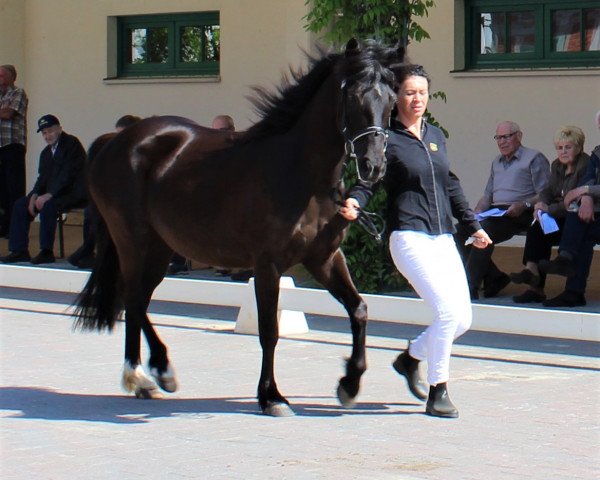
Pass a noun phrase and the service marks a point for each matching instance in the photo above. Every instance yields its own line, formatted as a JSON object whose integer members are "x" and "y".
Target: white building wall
{"x": 60, "y": 50}
{"x": 65, "y": 63}
{"x": 539, "y": 102}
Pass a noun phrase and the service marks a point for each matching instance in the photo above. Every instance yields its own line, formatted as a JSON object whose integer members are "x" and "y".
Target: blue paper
{"x": 492, "y": 212}
{"x": 547, "y": 222}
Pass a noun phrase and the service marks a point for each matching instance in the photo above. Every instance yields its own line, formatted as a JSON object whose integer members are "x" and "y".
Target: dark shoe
{"x": 529, "y": 296}
{"x": 566, "y": 299}
{"x": 175, "y": 268}
{"x": 525, "y": 276}
{"x": 561, "y": 265}
{"x": 242, "y": 275}
{"x": 86, "y": 262}
{"x": 408, "y": 367}
{"x": 14, "y": 257}
{"x": 77, "y": 255}
{"x": 439, "y": 403}
{"x": 496, "y": 286}
{"x": 45, "y": 256}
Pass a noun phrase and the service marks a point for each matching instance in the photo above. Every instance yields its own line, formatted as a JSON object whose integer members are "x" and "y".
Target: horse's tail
{"x": 100, "y": 303}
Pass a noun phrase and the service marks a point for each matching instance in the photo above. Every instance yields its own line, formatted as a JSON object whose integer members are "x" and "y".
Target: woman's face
{"x": 566, "y": 151}
{"x": 413, "y": 96}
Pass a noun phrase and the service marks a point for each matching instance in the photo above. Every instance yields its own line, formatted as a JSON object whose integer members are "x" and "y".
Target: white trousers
{"x": 432, "y": 265}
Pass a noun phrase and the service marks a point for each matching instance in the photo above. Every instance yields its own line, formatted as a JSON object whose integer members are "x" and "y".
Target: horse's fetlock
{"x": 355, "y": 368}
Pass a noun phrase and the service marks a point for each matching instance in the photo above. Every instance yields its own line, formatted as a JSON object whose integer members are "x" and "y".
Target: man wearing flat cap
{"x": 60, "y": 186}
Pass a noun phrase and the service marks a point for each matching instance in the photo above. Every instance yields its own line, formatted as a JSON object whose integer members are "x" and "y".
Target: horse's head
{"x": 367, "y": 98}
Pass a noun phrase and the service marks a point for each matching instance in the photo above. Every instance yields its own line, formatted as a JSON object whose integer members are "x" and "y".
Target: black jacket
{"x": 63, "y": 175}
{"x": 422, "y": 193}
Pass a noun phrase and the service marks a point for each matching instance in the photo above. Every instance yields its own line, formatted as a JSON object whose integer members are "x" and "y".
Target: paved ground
{"x": 529, "y": 406}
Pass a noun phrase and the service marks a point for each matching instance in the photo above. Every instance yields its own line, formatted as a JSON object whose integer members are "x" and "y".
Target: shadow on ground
{"x": 48, "y": 404}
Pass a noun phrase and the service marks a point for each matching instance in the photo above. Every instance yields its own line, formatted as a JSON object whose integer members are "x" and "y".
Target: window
{"x": 532, "y": 34}
{"x": 168, "y": 45}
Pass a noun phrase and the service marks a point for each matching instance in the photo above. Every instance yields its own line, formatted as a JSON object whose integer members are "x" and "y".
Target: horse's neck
{"x": 321, "y": 134}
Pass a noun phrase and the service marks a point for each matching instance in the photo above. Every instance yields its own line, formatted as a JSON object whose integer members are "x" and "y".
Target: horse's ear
{"x": 400, "y": 50}
{"x": 352, "y": 47}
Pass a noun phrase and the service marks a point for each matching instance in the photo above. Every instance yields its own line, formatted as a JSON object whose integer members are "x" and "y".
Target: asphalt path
{"x": 528, "y": 406}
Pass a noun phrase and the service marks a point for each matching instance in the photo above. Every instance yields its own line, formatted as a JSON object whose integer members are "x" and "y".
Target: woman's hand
{"x": 350, "y": 209}
{"x": 574, "y": 195}
{"x": 481, "y": 239}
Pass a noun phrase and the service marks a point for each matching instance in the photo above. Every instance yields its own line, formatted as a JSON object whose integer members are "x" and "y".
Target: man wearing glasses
{"x": 518, "y": 174}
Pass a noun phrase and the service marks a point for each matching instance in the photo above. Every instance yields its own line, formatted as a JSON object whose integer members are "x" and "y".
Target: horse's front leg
{"x": 335, "y": 277}
{"x": 266, "y": 286}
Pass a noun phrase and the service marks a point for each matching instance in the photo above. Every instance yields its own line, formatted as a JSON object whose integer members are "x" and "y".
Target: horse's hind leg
{"x": 267, "y": 295}
{"x": 334, "y": 276}
{"x": 142, "y": 272}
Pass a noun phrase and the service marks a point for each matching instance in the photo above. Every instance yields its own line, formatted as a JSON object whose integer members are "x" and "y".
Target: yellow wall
{"x": 59, "y": 48}
{"x": 12, "y": 40}
{"x": 66, "y": 63}
{"x": 539, "y": 102}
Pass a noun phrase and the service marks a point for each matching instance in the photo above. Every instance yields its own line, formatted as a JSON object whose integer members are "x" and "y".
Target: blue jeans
{"x": 21, "y": 221}
{"x": 578, "y": 239}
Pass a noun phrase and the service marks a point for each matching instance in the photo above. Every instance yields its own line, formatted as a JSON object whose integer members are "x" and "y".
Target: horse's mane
{"x": 279, "y": 110}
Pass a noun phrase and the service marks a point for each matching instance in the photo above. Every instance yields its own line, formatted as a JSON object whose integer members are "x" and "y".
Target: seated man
{"x": 581, "y": 233}
{"x": 60, "y": 186}
{"x": 516, "y": 178}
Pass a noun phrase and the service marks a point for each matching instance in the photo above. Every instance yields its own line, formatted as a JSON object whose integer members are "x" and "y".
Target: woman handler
{"x": 423, "y": 197}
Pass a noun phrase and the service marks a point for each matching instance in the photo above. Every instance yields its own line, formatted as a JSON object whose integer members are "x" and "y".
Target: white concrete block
{"x": 290, "y": 321}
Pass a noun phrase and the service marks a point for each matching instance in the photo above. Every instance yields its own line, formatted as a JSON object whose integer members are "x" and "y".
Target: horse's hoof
{"x": 278, "y": 410}
{"x": 148, "y": 393}
{"x": 167, "y": 384}
{"x": 345, "y": 398}
{"x": 167, "y": 380}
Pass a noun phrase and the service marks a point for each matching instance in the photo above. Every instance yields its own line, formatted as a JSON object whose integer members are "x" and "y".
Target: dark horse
{"x": 262, "y": 199}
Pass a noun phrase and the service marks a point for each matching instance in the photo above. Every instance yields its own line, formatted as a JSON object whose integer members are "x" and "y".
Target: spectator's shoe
{"x": 561, "y": 265}
{"x": 77, "y": 255}
{"x": 86, "y": 262}
{"x": 529, "y": 296}
{"x": 175, "y": 268}
{"x": 439, "y": 403}
{"x": 45, "y": 256}
{"x": 525, "y": 276}
{"x": 567, "y": 298}
{"x": 242, "y": 275}
{"x": 496, "y": 285}
{"x": 408, "y": 367}
{"x": 14, "y": 257}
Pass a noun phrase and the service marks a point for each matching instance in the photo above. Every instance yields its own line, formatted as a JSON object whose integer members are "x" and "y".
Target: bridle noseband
{"x": 349, "y": 141}
{"x": 365, "y": 219}
{"x": 349, "y": 145}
